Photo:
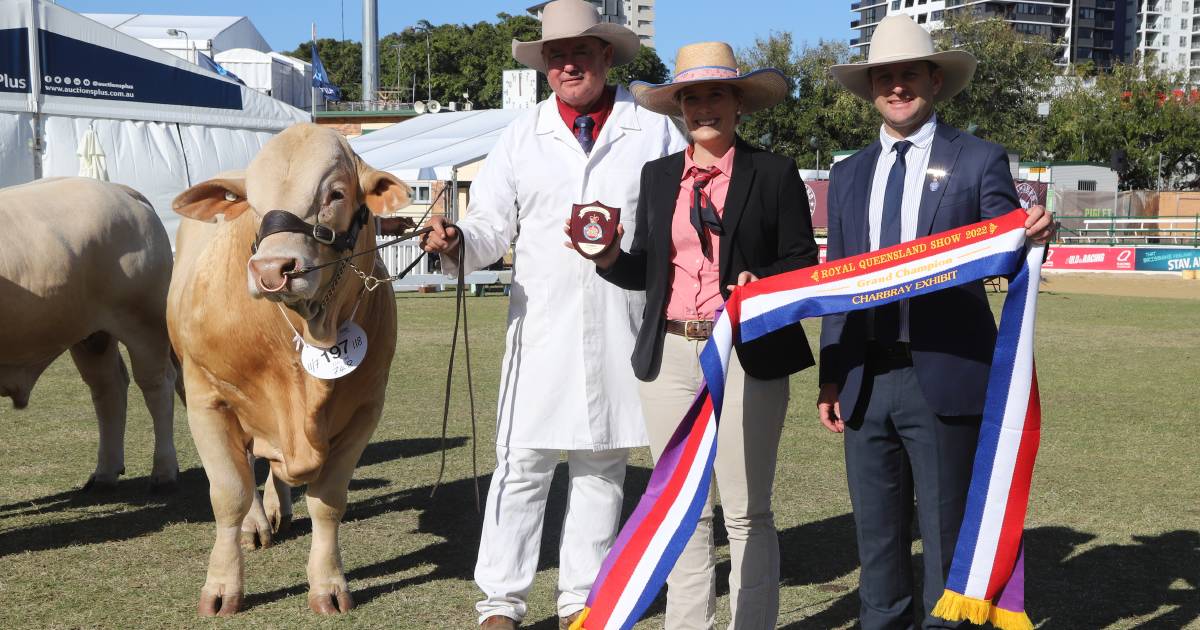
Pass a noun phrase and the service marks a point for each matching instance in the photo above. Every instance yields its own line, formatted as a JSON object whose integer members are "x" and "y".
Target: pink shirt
{"x": 695, "y": 280}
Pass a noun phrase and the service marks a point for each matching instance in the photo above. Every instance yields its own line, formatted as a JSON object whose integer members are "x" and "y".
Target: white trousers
{"x": 744, "y": 471}
{"x": 512, "y": 526}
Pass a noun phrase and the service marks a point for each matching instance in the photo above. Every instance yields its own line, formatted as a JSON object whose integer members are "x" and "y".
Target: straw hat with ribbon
{"x": 566, "y": 19}
{"x": 711, "y": 62}
{"x": 898, "y": 39}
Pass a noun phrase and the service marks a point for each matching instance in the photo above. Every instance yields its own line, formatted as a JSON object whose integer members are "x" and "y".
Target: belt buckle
{"x": 693, "y": 330}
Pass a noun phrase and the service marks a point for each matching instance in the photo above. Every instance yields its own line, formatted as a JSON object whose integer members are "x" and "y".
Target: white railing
{"x": 400, "y": 255}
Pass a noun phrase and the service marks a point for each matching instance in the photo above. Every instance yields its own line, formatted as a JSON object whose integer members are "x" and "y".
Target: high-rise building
{"x": 1166, "y": 32}
{"x": 1080, "y": 30}
{"x": 638, "y": 15}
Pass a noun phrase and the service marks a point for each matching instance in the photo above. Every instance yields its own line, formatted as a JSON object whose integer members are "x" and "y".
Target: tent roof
{"x": 93, "y": 71}
{"x": 239, "y": 29}
{"x": 433, "y": 144}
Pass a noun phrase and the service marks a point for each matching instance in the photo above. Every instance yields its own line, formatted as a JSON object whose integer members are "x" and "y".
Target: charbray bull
{"x": 85, "y": 264}
{"x": 247, "y": 393}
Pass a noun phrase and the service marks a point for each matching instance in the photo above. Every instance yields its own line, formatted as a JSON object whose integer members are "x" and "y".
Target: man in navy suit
{"x": 906, "y": 382}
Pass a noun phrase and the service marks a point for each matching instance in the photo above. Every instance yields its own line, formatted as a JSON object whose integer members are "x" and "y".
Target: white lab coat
{"x": 566, "y": 381}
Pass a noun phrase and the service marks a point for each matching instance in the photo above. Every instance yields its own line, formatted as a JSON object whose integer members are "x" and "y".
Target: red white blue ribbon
{"x": 988, "y": 557}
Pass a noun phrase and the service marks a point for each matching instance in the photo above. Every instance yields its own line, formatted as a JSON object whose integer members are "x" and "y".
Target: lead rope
{"x": 460, "y": 314}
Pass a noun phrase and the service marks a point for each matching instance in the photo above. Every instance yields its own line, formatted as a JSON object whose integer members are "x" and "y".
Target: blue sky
{"x": 285, "y": 23}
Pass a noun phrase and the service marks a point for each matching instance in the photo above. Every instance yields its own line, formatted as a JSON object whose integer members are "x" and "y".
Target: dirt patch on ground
{"x": 1126, "y": 285}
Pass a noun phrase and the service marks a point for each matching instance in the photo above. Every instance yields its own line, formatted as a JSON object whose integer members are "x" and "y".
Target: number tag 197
{"x": 340, "y": 359}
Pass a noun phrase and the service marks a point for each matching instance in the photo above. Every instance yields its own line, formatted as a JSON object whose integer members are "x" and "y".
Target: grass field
{"x": 1112, "y": 538}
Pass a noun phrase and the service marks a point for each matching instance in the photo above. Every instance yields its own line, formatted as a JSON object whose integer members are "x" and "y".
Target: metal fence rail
{"x": 398, "y": 256}
{"x": 1184, "y": 231}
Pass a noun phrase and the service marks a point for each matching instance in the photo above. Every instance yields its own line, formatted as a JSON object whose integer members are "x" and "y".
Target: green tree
{"x": 646, "y": 66}
{"x": 817, "y": 116}
{"x": 1012, "y": 77}
{"x": 1136, "y": 109}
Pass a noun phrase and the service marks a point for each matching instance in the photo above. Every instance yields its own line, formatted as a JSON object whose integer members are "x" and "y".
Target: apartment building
{"x": 638, "y": 15}
{"x": 1080, "y": 30}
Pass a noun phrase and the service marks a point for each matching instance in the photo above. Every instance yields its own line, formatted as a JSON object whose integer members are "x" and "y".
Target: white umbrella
{"x": 91, "y": 157}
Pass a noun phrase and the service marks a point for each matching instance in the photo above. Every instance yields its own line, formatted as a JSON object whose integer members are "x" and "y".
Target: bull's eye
{"x": 336, "y": 195}
{"x": 230, "y": 196}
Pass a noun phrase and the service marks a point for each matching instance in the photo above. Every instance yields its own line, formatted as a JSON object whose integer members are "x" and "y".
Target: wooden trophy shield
{"x": 593, "y": 227}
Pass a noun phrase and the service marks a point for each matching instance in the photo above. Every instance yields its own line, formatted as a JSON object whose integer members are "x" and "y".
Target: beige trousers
{"x": 744, "y": 471}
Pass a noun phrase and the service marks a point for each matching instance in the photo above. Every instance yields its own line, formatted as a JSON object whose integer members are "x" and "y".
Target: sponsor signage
{"x": 1091, "y": 258}
{"x": 1162, "y": 259}
{"x": 14, "y": 60}
{"x": 75, "y": 68}
{"x": 818, "y": 194}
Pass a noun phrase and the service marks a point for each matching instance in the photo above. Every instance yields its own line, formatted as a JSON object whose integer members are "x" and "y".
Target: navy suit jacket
{"x": 952, "y": 332}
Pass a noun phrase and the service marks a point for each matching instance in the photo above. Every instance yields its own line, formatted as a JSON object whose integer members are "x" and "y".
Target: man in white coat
{"x": 566, "y": 382}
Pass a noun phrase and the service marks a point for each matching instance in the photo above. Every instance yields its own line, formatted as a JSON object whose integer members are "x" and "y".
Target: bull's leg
{"x": 256, "y": 530}
{"x": 154, "y": 373}
{"x": 231, "y": 488}
{"x": 277, "y": 502}
{"x": 99, "y": 363}
{"x": 270, "y": 515}
{"x": 328, "y": 592}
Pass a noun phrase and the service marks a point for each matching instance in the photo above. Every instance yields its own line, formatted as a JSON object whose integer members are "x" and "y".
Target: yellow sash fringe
{"x": 957, "y": 607}
{"x": 578, "y": 623}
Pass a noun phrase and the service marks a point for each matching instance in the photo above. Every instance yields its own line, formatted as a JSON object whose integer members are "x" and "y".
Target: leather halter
{"x": 277, "y": 221}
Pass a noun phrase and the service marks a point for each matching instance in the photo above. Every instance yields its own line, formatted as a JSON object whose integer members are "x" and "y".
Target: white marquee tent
{"x": 162, "y": 123}
{"x": 209, "y": 34}
{"x": 432, "y": 146}
{"x": 279, "y": 76}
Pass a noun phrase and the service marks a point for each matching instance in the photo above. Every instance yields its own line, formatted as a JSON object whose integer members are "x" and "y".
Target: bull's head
{"x": 311, "y": 197}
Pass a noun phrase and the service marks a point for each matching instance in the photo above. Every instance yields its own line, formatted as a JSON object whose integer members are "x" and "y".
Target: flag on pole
{"x": 207, "y": 63}
{"x": 321, "y": 78}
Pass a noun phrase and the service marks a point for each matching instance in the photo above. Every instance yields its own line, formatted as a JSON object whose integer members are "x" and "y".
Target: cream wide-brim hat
{"x": 711, "y": 62}
{"x": 567, "y": 19}
{"x": 898, "y": 39}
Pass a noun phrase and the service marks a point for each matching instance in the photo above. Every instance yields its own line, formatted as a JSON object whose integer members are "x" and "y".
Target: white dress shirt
{"x": 916, "y": 161}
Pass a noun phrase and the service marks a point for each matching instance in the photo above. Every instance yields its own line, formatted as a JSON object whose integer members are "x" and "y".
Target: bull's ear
{"x": 204, "y": 201}
{"x": 381, "y": 191}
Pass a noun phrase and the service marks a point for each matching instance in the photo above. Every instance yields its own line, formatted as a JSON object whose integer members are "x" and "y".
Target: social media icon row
{"x": 57, "y": 80}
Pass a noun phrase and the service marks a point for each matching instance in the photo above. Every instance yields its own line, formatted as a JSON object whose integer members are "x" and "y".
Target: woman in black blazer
{"x": 720, "y": 214}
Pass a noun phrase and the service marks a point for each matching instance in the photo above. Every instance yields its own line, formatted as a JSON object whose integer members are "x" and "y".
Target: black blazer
{"x": 767, "y": 230}
{"x": 952, "y": 331}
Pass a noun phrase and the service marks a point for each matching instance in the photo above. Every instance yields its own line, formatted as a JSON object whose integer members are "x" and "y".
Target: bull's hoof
{"x": 217, "y": 605}
{"x": 102, "y": 484}
{"x": 251, "y": 540}
{"x": 330, "y": 603}
{"x": 281, "y": 524}
{"x": 164, "y": 483}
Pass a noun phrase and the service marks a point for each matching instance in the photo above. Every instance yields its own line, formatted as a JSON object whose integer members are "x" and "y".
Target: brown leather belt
{"x": 691, "y": 329}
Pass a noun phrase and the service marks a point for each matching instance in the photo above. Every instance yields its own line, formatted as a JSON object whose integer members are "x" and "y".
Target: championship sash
{"x": 986, "y": 581}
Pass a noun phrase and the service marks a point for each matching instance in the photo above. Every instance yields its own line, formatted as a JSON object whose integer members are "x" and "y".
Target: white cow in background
{"x": 85, "y": 264}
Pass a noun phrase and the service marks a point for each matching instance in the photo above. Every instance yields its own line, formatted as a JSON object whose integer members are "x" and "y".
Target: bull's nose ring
{"x": 272, "y": 290}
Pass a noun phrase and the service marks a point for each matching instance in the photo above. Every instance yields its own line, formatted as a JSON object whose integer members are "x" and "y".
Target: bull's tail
{"x": 136, "y": 195}
{"x": 178, "y": 376}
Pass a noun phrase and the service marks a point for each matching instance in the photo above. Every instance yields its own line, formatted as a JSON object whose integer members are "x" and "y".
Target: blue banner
{"x": 207, "y": 63}
{"x": 14, "y": 60}
{"x": 71, "y": 67}
{"x": 1162, "y": 259}
{"x": 321, "y": 78}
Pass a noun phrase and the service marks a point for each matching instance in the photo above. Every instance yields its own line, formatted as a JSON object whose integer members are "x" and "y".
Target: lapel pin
{"x": 935, "y": 175}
